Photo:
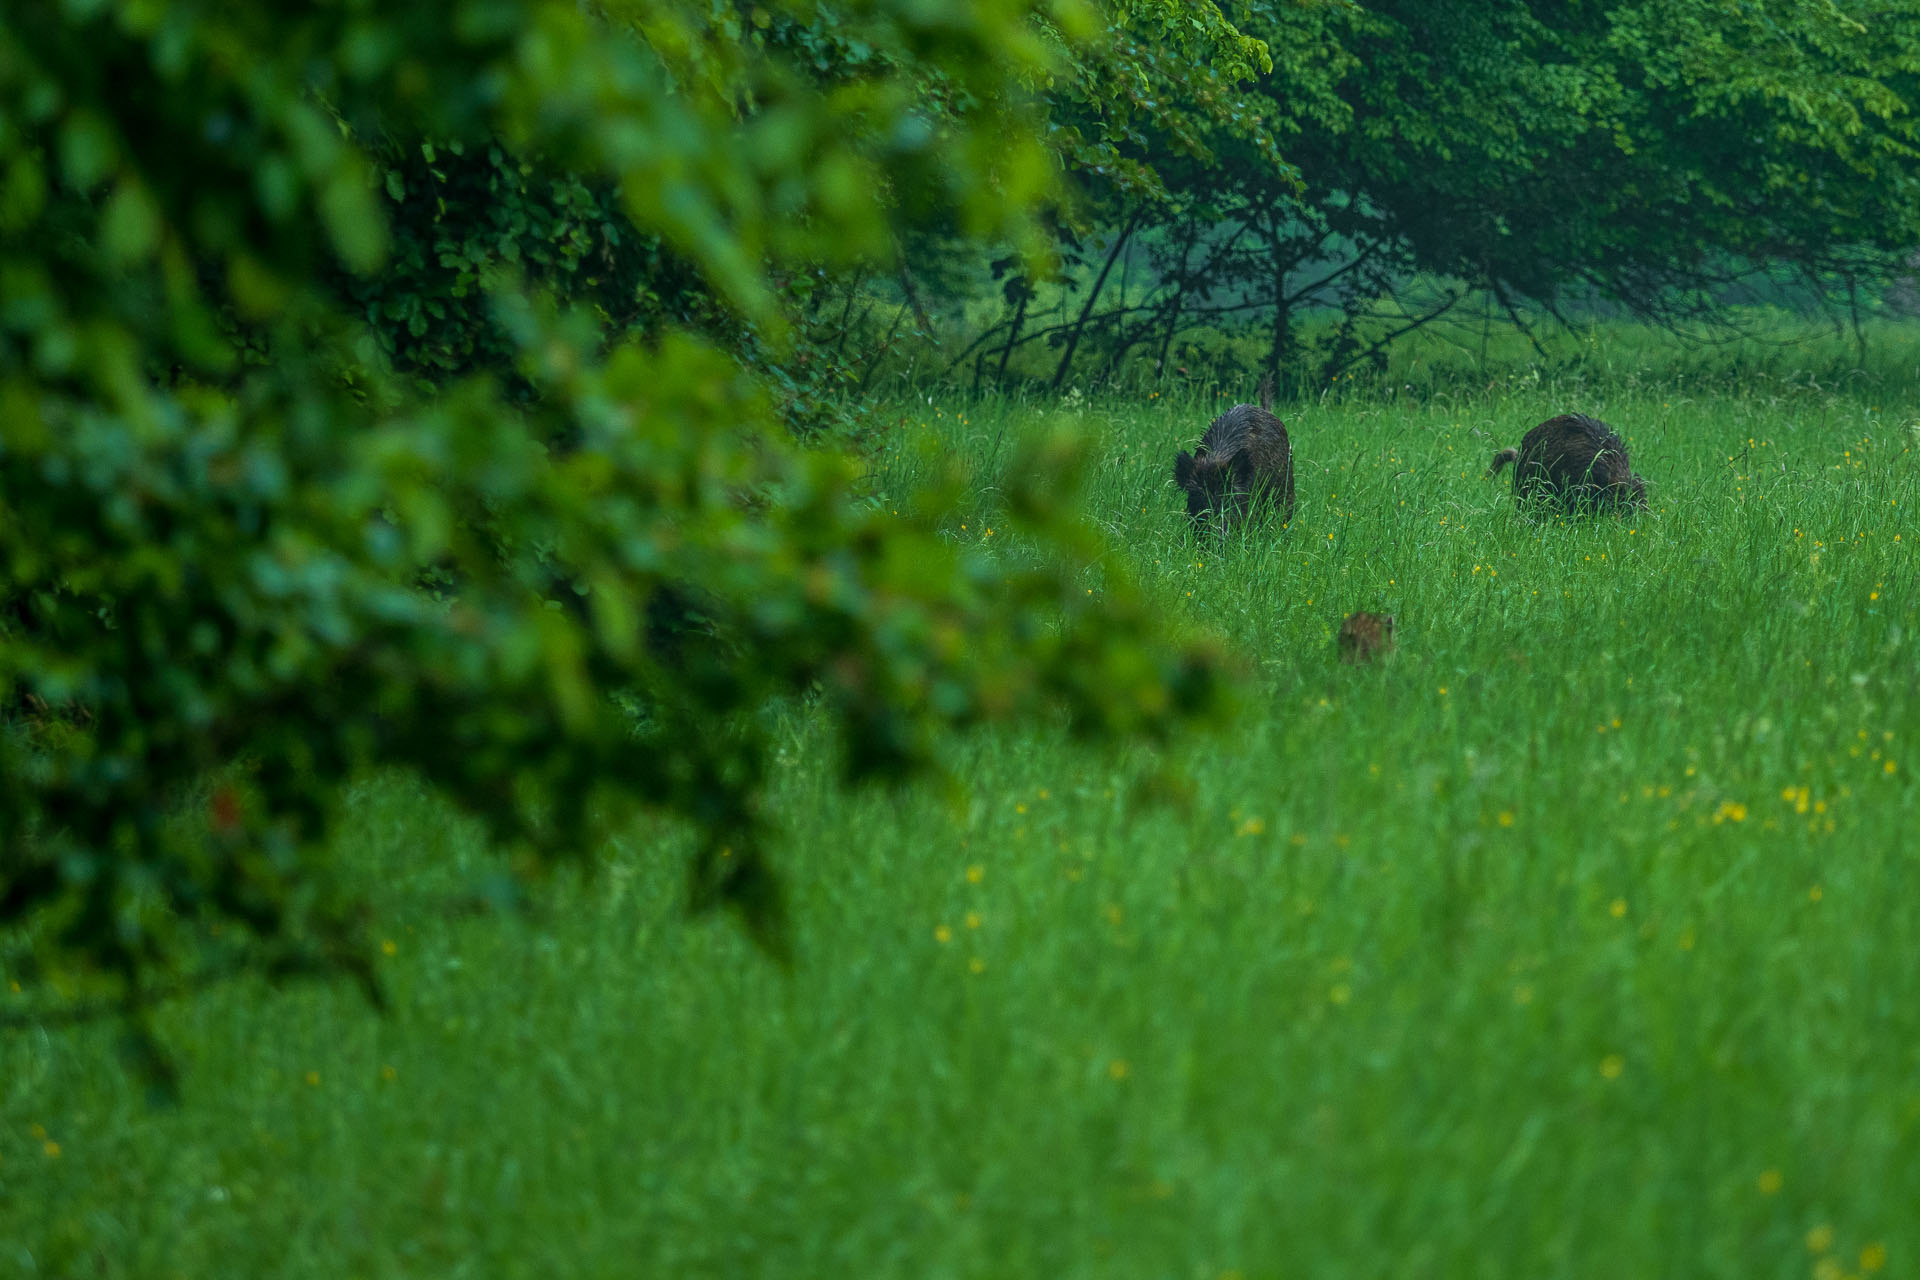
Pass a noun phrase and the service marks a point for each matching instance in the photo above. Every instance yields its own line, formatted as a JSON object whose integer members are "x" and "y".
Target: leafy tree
{"x": 376, "y": 391}
{"x": 1646, "y": 153}
{"x": 1642, "y": 152}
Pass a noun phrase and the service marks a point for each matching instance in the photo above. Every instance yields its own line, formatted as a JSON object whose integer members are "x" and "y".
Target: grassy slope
{"x": 1524, "y": 954}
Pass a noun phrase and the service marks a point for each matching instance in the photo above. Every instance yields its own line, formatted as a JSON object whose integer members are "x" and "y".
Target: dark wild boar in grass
{"x": 1575, "y": 462}
{"x": 1364, "y": 637}
{"x": 1242, "y": 469}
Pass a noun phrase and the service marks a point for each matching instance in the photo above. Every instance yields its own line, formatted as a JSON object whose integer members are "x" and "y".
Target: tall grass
{"x": 1575, "y": 939}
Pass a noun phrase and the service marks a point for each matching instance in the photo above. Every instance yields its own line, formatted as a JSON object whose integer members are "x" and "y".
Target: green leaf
{"x": 130, "y": 224}
{"x": 353, "y": 220}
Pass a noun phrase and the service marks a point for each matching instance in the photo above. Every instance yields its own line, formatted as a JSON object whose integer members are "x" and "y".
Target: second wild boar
{"x": 1576, "y": 462}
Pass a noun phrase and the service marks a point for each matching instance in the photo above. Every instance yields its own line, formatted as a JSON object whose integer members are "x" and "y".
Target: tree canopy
{"x": 1644, "y": 154}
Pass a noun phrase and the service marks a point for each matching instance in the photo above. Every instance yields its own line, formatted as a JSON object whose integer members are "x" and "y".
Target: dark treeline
{"x": 1376, "y": 170}
{"x": 1545, "y": 163}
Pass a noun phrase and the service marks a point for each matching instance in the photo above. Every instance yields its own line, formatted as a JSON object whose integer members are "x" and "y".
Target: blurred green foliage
{"x": 385, "y": 386}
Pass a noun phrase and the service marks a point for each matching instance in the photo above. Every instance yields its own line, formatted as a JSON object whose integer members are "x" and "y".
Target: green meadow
{"x": 1576, "y": 938}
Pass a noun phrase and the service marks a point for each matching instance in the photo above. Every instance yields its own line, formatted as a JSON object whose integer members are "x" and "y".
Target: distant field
{"x": 1581, "y": 938}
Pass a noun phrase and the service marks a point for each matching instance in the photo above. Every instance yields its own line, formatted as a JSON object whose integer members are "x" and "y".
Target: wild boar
{"x": 1576, "y": 462}
{"x": 1242, "y": 469}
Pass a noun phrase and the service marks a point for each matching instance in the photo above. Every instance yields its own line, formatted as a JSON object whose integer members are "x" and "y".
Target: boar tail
{"x": 1501, "y": 459}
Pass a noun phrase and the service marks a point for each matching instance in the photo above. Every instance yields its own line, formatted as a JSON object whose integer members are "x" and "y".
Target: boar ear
{"x": 1243, "y": 469}
{"x": 1183, "y": 469}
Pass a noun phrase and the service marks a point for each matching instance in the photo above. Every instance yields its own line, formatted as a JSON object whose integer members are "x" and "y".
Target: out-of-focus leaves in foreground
{"x": 531, "y": 529}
